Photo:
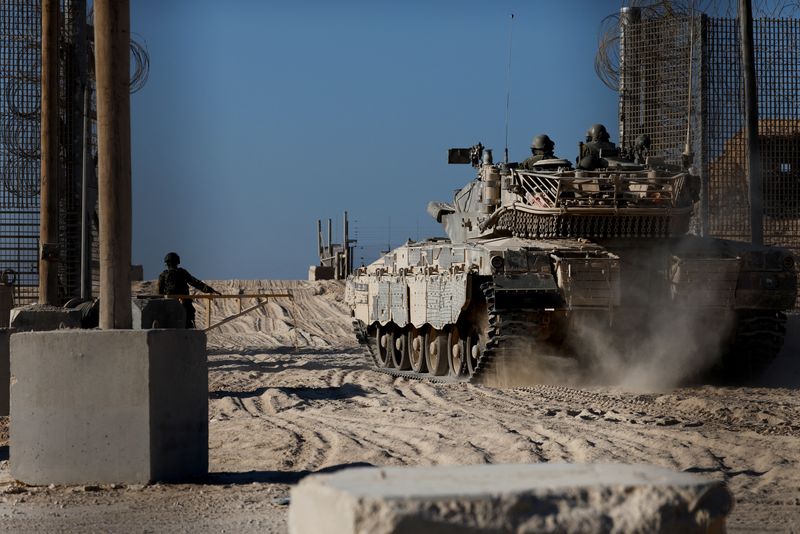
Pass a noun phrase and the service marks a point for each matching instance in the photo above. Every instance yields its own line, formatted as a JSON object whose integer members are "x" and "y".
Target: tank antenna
{"x": 508, "y": 82}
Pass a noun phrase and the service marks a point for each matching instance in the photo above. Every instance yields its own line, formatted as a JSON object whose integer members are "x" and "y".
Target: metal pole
{"x": 330, "y": 240}
{"x": 346, "y": 248}
{"x": 754, "y": 170}
{"x": 628, "y": 76}
{"x": 112, "y": 61}
{"x": 75, "y": 89}
{"x": 48, "y": 219}
{"x": 82, "y": 140}
{"x": 319, "y": 240}
{"x": 704, "y": 128}
{"x": 86, "y": 253}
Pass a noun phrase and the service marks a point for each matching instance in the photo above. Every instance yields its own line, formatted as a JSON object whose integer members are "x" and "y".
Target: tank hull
{"x": 510, "y": 310}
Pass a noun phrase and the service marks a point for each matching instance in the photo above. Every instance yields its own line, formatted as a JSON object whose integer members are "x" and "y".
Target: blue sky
{"x": 260, "y": 117}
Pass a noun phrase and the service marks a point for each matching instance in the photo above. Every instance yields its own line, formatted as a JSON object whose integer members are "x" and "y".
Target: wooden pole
{"x": 112, "y": 64}
{"x": 48, "y": 219}
{"x": 754, "y": 165}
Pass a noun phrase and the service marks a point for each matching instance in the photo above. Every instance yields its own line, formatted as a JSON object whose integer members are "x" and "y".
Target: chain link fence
{"x": 20, "y": 103}
{"x": 680, "y": 82}
{"x": 20, "y": 68}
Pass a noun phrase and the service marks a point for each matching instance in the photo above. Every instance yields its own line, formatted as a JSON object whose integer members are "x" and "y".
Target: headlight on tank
{"x": 788, "y": 263}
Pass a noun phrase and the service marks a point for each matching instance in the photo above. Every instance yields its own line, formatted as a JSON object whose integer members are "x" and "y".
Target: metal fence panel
{"x": 777, "y": 60}
{"x": 658, "y": 69}
{"x": 664, "y": 60}
{"x": 20, "y": 101}
{"x": 20, "y": 68}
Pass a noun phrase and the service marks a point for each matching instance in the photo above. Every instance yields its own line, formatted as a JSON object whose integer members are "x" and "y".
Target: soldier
{"x": 541, "y": 148}
{"x": 594, "y": 152}
{"x": 176, "y": 280}
{"x": 641, "y": 149}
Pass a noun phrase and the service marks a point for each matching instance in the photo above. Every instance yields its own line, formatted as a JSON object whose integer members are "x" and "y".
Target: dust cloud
{"x": 651, "y": 349}
{"x": 660, "y": 349}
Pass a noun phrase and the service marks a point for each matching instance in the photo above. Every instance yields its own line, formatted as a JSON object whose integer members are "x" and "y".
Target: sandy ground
{"x": 290, "y": 394}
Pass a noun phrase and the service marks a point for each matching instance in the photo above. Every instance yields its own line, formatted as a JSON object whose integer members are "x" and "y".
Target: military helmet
{"x": 598, "y": 132}
{"x": 542, "y": 142}
{"x": 643, "y": 141}
{"x": 172, "y": 258}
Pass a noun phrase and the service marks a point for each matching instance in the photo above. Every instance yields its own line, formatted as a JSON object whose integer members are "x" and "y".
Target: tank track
{"x": 507, "y": 329}
{"x": 758, "y": 340}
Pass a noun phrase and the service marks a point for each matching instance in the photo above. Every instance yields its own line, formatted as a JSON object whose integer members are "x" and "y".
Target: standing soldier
{"x": 176, "y": 280}
{"x": 541, "y": 148}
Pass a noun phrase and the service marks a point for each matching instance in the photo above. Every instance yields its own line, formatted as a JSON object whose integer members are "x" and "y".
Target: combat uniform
{"x": 176, "y": 281}
{"x": 538, "y": 155}
{"x": 594, "y": 153}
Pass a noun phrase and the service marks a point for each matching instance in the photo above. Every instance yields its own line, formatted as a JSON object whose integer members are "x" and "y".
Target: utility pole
{"x": 346, "y": 247}
{"x": 112, "y": 65}
{"x": 48, "y": 218}
{"x": 754, "y": 164}
{"x": 330, "y": 241}
{"x": 320, "y": 248}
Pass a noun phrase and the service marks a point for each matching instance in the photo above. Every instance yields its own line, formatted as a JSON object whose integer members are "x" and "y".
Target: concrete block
{"x": 137, "y": 273}
{"x": 108, "y": 406}
{"x": 40, "y": 318}
{"x": 508, "y": 498}
{"x": 157, "y": 313}
{"x": 6, "y": 303}
{"x": 5, "y": 370}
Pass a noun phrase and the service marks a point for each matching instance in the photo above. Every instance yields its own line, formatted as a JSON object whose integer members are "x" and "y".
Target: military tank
{"x": 535, "y": 254}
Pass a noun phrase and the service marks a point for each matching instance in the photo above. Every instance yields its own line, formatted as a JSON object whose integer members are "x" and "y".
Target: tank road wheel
{"x": 417, "y": 350}
{"x": 384, "y": 341}
{"x": 437, "y": 352}
{"x": 400, "y": 353}
{"x": 456, "y": 353}
{"x": 474, "y": 350}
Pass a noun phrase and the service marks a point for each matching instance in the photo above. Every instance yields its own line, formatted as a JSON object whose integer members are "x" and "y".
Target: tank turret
{"x": 622, "y": 199}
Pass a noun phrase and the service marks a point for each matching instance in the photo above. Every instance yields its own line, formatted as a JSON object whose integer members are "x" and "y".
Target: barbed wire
{"x": 607, "y": 59}
{"x": 140, "y": 59}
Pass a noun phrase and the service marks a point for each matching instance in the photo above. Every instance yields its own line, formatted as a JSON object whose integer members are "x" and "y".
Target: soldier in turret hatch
{"x": 594, "y": 152}
{"x": 541, "y": 148}
{"x": 641, "y": 149}
{"x": 176, "y": 280}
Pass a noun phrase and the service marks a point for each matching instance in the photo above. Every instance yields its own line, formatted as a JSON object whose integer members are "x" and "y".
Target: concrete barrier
{"x": 6, "y": 303}
{"x": 108, "y": 406}
{"x": 40, "y": 318}
{"x": 508, "y": 498}
{"x": 157, "y": 313}
{"x": 5, "y": 370}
